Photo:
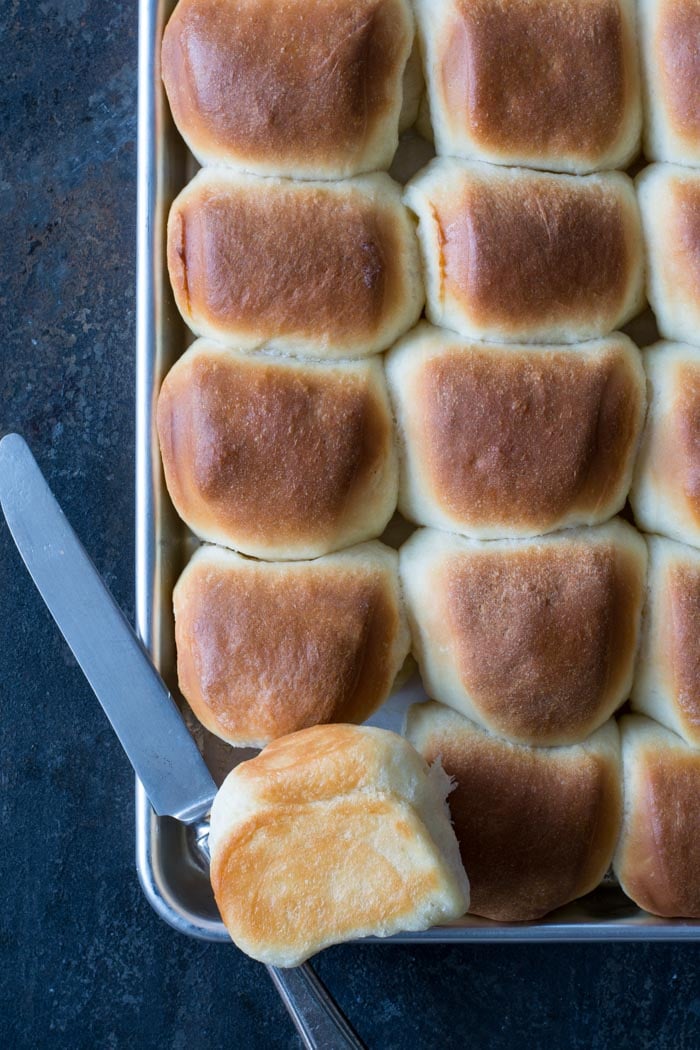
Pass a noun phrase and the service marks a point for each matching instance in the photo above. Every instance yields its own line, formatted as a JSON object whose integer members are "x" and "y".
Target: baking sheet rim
{"x": 151, "y": 295}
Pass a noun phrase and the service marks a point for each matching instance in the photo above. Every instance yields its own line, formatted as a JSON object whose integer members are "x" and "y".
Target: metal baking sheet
{"x": 171, "y": 863}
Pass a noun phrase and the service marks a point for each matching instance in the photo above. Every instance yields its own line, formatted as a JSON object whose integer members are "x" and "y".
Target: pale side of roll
{"x": 536, "y": 826}
{"x": 669, "y": 200}
{"x": 320, "y": 269}
{"x": 532, "y": 639}
{"x": 501, "y": 440}
{"x": 330, "y": 834}
{"x": 669, "y": 31}
{"x": 542, "y": 83}
{"x": 667, "y": 678}
{"x": 657, "y": 860}
{"x": 267, "y": 648}
{"x": 665, "y": 493}
{"x": 515, "y": 255}
{"x": 276, "y": 457}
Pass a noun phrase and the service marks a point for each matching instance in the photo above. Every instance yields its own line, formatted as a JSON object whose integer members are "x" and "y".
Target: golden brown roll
{"x": 333, "y": 833}
{"x": 669, "y": 31}
{"x": 309, "y": 88}
{"x": 532, "y": 639}
{"x": 545, "y": 83}
{"x": 526, "y": 256}
{"x": 669, "y": 200}
{"x": 667, "y": 680}
{"x": 276, "y": 457}
{"x": 514, "y": 440}
{"x": 657, "y": 860}
{"x": 323, "y": 269}
{"x": 266, "y": 648}
{"x": 665, "y": 494}
{"x": 536, "y": 826}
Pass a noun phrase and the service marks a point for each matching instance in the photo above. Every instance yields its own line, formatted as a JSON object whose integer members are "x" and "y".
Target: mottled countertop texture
{"x": 86, "y": 963}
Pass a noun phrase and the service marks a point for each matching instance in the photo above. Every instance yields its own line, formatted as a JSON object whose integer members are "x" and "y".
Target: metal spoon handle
{"x": 142, "y": 712}
{"x": 318, "y": 1020}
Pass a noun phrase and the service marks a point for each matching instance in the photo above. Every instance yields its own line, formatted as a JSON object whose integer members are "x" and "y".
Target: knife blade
{"x": 135, "y": 699}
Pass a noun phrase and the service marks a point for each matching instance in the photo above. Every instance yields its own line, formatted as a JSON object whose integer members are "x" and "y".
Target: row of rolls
{"x": 335, "y": 270}
{"x": 510, "y": 425}
{"x": 322, "y": 88}
{"x": 287, "y": 459}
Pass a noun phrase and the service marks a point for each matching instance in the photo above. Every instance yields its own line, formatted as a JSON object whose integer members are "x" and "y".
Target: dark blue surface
{"x": 85, "y": 961}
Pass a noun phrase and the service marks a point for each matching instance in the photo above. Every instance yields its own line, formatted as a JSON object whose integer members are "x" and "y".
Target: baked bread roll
{"x": 657, "y": 860}
{"x": 526, "y": 256}
{"x": 266, "y": 648}
{"x": 322, "y": 269}
{"x": 665, "y": 494}
{"x": 309, "y": 89}
{"x": 532, "y": 639}
{"x": 542, "y": 83}
{"x": 536, "y": 826}
{"x": 276, "y": 457}
{"x": 669, "y": 199}
{"x": 514, "y": 440}
{"x": 669, "y": 31}
{"x": 667, "y": 680}
{"x": 333, "y": 833}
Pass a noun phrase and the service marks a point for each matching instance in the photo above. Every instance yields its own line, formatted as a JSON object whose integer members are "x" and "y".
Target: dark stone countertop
{"x": 86, "y": 963}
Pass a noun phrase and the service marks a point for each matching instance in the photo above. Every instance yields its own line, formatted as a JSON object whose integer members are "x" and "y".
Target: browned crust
{"x": 543, "y": 637}
{"x": 660, "y": 861}
{"x": 286, "y": 260}
{"x": 536, "y": 250}
{"x": 317, "y": 764}
{"x": 527, "y": 439}
{"x": 325, "y": 762}
{"x": 535, "y": 830}
{"x": 538, "y": 77}
{"x": 310, "y": 81}
{"x": 680, "y": 630}
{"x": 264, "y": 653}
{"x": 675, "y": 47}
{"x": 265, "y": 451}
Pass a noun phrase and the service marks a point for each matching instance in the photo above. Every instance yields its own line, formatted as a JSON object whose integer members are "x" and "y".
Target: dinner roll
{"x": 324, "y": 269}
{"x": 669, "y": 199}
{"x": 657, "y": 860}
{"x": 665, "y": 494}
{"x": 308, "y": 88}
{"x": 517, "y": 255}
{"x": 514, "y": 440}
{"x": 333, "y": 833}
{"x": 544, "y": 83}
{"x": 669, "y": 35}
{"x": 536, "y": 826}
{"x": 276, "y": 457}
{"x": 667, "y": 679}
{"x": 532, "y": 639}
{"x": 266, "y": 648}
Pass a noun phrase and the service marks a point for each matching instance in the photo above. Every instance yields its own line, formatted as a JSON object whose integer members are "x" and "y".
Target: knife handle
{"x": 316, "y": 1016}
